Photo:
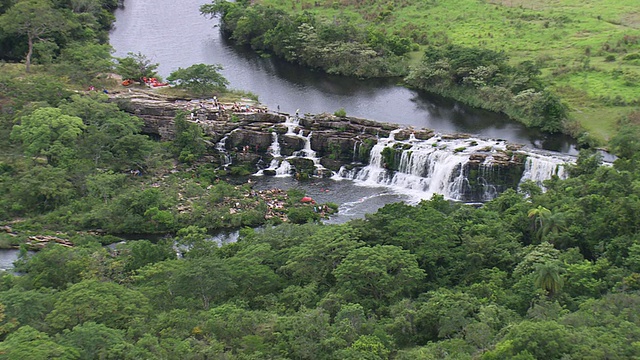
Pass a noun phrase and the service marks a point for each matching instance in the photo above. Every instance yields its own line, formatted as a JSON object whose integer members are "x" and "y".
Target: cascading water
{"x": 278, "y": 166}
{"x": 221, "y": 147}
{"x": 356, "y": 145}
{"x": 449, "y": 167}
{"x": 539, "y": 168}
{"x": 292, "y": 123}
{"x": 462, "y": 169}
{"x": 487, "y": 171}
{"x": 434, "y": 166}
{"x": 274, "y": 148}
{"x": 306, "y": 151}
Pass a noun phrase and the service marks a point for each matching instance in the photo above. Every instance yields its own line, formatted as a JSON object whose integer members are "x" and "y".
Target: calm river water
{"x": 174, "y": 34}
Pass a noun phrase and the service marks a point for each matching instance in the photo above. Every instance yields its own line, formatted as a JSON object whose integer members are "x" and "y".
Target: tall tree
{"x": 377, "y": 275}
{"x": 136, "y": 67}
{"x": 539, "y": 218}
{"x": 548, "y": 277}
{"x": 29, "y": 343}
{"x": 49, "y": 132}
{"x": 34, "y": 19}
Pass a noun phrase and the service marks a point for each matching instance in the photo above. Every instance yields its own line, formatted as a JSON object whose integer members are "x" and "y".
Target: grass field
{"x": 581, "y": 45}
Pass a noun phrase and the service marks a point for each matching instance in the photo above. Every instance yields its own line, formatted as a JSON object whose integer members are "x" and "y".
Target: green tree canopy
{"x": 33, "y": 19}
{"x": 49, "y": 132}
{"x": 83, "y": 61}
{"x": 136, "y": 66}
{"x": 29, "y": 343}
{"x": 95, "y": 341}
{"x": 377, "y": 275}
{"x": 200, "y": 79}
{"x": 106, "y": 303}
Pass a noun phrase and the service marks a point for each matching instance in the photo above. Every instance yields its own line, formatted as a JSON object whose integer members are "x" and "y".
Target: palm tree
{"x": 554, "y": 223}
{"x": 548, "y": 277}
{"x": 545, "y": 221}
{"x": 539, "y": 216}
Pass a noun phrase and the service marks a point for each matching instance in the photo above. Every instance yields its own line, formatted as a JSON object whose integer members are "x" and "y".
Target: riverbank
{"x": 595, "y": 77}
{"x": 289, "y": 87}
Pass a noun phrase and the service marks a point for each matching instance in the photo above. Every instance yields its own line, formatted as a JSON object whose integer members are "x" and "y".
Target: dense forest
{"x": 532, "y": 274}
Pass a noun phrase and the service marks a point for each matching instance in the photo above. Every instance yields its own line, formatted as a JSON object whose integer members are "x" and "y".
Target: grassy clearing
{"x": 580, "y": 45}
{"x": 601, "y": 121}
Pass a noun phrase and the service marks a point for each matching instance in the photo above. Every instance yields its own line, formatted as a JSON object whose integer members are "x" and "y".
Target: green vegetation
{"x": 136, "y": 67}
{"x": 337, "y": 47}
{"x": 340, "y": 112}
{"x": 554, "y": 275}
{"x": 60, "y": 35}
{"x": 529, "y": 275}
{"x": 199, "y": 79}
{"x": 586, "y": 52}
{"x": 71, "y": 160}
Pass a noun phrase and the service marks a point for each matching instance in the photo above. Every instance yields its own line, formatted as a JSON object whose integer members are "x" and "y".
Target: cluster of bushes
{"x": 71, "y": 34}
{"x": 478, "y": 77}
{"x": 483, "y": 78}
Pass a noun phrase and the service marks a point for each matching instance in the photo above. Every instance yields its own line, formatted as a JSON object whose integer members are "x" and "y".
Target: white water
{"x": 274, "y": 149}
{"x": 425, "y": 167}
{"x": 489, "y": 190}
{"x": 306, "y": 151}
{"x": 538, "y": 168}
{"x": 280, "y": 166}
{"x": 292, "y": 123}
{"x": 221, "y": 147}
{"x": 437, "y": 165}
{"x": 283, "y": 167}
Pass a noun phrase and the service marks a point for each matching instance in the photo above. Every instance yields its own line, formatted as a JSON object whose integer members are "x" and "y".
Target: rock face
{"x": 342, "y": 140}
{"x": 321, "y": 144}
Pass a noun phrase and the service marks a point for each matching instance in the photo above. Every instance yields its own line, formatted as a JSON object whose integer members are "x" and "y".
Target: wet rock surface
{"x": 322, "y": 144}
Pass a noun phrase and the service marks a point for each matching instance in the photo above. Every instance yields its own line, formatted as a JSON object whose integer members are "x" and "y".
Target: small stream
{"x": 7, "y": 257}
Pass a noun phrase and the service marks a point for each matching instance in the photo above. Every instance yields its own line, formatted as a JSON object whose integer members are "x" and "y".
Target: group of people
{"x": 247, "y": 108}
{"x": 216, "y": 105}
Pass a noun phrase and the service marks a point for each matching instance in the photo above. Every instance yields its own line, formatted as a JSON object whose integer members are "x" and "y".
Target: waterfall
{"x": 487, "y": 172}
{"x": 278, "y": 166}
{"x": 427, "y": 170}
{"x": 306, "y": 151}
{"x": 434, "y": 166}
{"x": 422, "y": 168}
{"x": 274, "y": 148}
{"x": 221, "y": 147}
{"x": 292, "y": 123}
{"x": 354, "y": 157}
{"x": 539, "y": 168}
{"x": 284, "y": 169}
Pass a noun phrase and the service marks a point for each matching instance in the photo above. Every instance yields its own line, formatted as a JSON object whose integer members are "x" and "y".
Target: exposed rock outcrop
{"x": 314, "y": 143}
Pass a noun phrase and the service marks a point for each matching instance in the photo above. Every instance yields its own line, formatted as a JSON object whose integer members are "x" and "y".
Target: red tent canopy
{"x": 306, "y": 199}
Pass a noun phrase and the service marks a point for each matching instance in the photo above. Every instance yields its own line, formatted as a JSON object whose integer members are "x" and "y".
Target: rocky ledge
{"x": 245, "y": 132}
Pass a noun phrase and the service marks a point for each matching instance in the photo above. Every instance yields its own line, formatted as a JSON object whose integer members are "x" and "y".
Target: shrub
{"x": 302, "y": 215}
{"x": 340, "y": 112}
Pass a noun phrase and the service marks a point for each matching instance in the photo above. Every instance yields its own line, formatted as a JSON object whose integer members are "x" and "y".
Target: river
{"x": 174, "y": 34}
